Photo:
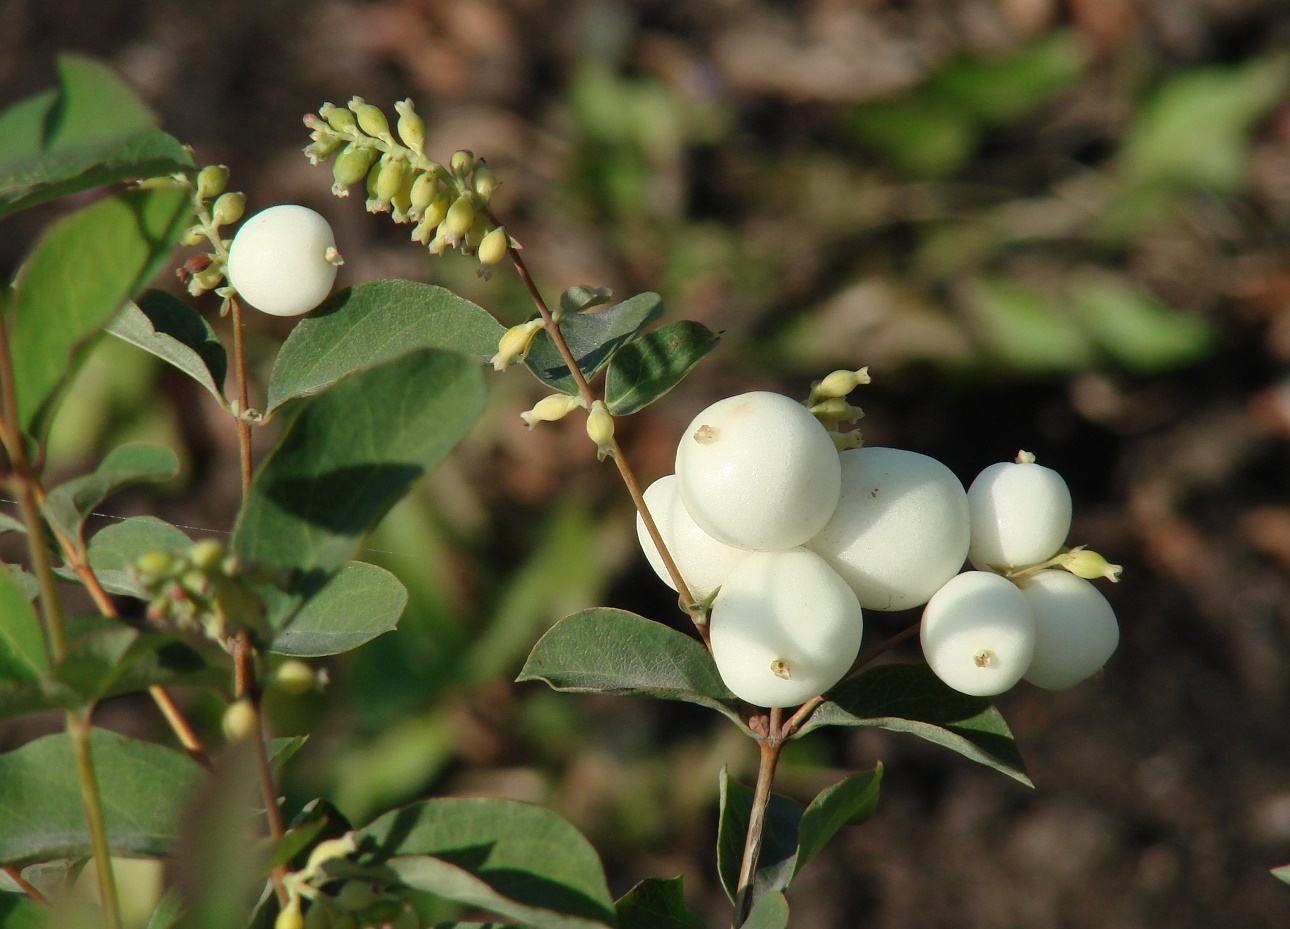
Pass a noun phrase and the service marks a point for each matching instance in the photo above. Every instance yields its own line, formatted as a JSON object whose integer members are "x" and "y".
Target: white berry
{"x": 758, "y": 471}
{"x": 1075, "y": 629}
{"x": 785, "y": 627}
{"x": 900, "y": 530}
{"x": 283, "y": 260}
{"x": 978, "y": 633}
{"x": 704, "y": 562}
{"x": 1021, "y": 514}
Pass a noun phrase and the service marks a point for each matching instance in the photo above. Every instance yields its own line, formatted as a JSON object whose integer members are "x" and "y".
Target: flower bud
{"x": 370, "y": 118}
{"x": 839, "y": 383}
{"x": 552, "y": 408}
{"x": 461, "y": 216}
{"x": 228, "y": 208}
{"x": 411, "y": 127}
{"x": 337, "y": 117}
{"x": 326, "y": 850}
{"x": 206, "y": 555}
{"x": 211, "y": 181}
{"x": 195, "y": 235}
{"x": 836, "y": 410}
{"x": 493, "y": 248}
{"x": 484, "y": 182}
{"x": 462, "y": 162}
{"x": 1089, "y": 565}
{"x": 156, "y": 564}
{"x": 320, "y": 149}
{"x": 350, "y": 167}
{"x": 294, "y": 677}
{"x": 290, "y": 917}
{"x": 845, "y": 441}
{"x": 424, "y": 190}
{"x": 600, "y": 429}
{"x": 239, "y": 721}
{"x": 515, "y": 343}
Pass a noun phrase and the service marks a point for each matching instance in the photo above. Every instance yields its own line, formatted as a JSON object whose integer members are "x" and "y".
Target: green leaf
{"x": 93, "y": 130}
{"x": 583, "y": 297}
{"x": 117, "y": 546}
{"x": 175, "y": 332}
{"x": 349, "y": 455}
{"x": 68, "y": 504}
{"x": 167, "y": 913}
{"x": 656, "y": 903}
{"x": 592, "y": 338}
{"x": 1135, "y": 329}
{"x": 144, "y": 789}
{"x": 22, "y": 642}
{"x": 9, "y": 524}
{"x": 522, "y": 862}
{"x": 80, "y": 274}
{"x": 20, "y": 912}
{"x": 770, "y": 912}
{"x": 1004, "y": 90}
{"x": 910, "y": 698}
{"x": 370, "y": 324}
{"x": 616, "y": 652}
{"x": 645, "y": 369}
{"x": 356, "y": 605}
{"x": 776, "y": 863}
{"x": 1282, "y": 873}
{"x": 847, "y": 803}
{"x": 1025, "y": 329}
{"x": 921, "y": 136}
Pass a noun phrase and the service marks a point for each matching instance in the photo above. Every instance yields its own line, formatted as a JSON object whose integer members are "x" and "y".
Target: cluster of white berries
{"x": 796, "y": 538}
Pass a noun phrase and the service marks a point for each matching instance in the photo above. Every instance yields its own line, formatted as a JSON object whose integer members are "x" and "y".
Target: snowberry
{"x": 1021, "y": 514}
{"x": 900, "y": 530}
{"x": 704, "y": 562}
{"x": 758, "y": 471}
{"x": 1075, "y": 628}
{"x": 283, "y": 260}
{"x": 978, "y": 633}
{"x": 785, "y": 627}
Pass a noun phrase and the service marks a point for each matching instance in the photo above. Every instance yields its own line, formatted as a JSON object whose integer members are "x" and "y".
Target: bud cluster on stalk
{"x": 215, "y": 207}
{"x": 446, "y": 205}
{"x": 332, "y": 891}
{"x": 208, "y": 590}
{"x": 790, "y": 528}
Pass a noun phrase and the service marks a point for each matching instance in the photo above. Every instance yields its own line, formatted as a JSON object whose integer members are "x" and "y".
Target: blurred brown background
{"x": 1059, "y": 226}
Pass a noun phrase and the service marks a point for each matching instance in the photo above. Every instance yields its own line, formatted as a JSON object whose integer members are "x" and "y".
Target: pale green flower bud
{"x": 478, "y": 229}
{"x": 462, "y": 162}
{"x": 206, "y": 555}
{"x": 836, "y": 410}
{"x": 337, "y": 117}
{"x": 600, "y": 429}
{"x": 1089, "y": 565}
{"x": 320, "y": 149}
{"x": 493, "y": 248}
{"x": 515, "y": 343}
{"x": 211, "y": 181}
{"x": 424, "y": 189}
{"x": 290, "y": 917}
{"x": 195, "y": 235}
{"x": 370, "y": 118}
{"x": 239, "y": 721}
{"x": 461, "y": 216}
{"x": 839, "y": 384}
{"x": 207, "y": 279}
{"x": 844, "y": 441}
{"x": 411, "y": 127}
{"x": 350, "y": 167}
{"x": 552, "y": 408}
{"x": 228, "y": 208}
{"x": 484, "y": 182}
{"x": 154, "y": 565}
{"x": 294, "y": 677}
{"x": 326, "y": 850}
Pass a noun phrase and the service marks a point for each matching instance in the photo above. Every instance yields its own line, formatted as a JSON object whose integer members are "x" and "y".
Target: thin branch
{"x": 771, "y": 744}
{"x": 78, "y": 727}
{"x": 243, "y": 395}
{"x": 15, "y": 875}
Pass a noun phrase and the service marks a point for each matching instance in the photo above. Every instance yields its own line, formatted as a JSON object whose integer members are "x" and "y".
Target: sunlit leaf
{"x": 1026, "y": 329}
{"x": 68, "y": 504}
{"x": 847, "y": 803}
{"x": 1135, "y": 329}
{"x": 592, "y": 338}
{"x": 582, "y": 297}
{"x": 22, "y": 643}
{"x": 360, "y": 602}
{"x": 175, "y": 332}
{"x": 645, "y": 369}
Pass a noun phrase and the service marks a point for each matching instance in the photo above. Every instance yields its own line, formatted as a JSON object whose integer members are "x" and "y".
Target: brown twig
{"x": 15, "y": 875}
{"x": 243, "y": 397}
{"x": 771, "y": 744}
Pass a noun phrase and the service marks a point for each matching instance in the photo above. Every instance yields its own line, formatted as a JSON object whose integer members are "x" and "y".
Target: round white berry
{"x": 978, "y": 633}
{"x": 1021, "y": 514}
{"x": 283, "y": 260}
{"x": 758, "y": 471}
{"x": 900, "y": 530}
{"x": 1075, "y": 629}
{"x": 704, "y": 562}
{"x": 785, "y": 627}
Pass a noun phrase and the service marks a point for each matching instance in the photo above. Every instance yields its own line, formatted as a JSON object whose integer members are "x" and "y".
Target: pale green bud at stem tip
{"x": 228, "y": 208}
{"x": 1025, "y": 457}
{"x": 239, "y": 721}
{"x": 294, "y": 677}
{"x": 337, "y": 117}
{"x": 484, "y": 182}
{"x": 462, "y": 162}
{"x": 423, "y": 192}
{"x": 411, "y": 127}
{"x": 350, "y": 167}
{"x": 515, "y": 343}
{"x": 1089, "y": 565}
{"x": 461, "y": 216}
{"x": 550, "y": 409}
{"x": 211, "y": 181}
{"x": 290, "y": 916}
{"x": 600, "y": 429}
{"x": 493, "y": 248}
{"x": 390, "y": 179}
{"x": 836, "y": 410}
{"x": 206, "y": 554}
{"x": 839, "y": 384}
{"x": 370, "y": 118}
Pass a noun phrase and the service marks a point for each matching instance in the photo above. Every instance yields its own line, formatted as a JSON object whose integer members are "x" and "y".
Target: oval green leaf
{"x": 656, "y": 903}
{"x": 616, "y": 652}
{"x": 770, "y": 912}
{"x": 370, "y": 324}
{"x": 175, "y": 332}
{"x": 645, "y": 369}
{"x": 144, "y": 788}
{"x": 847, "y": 803}
{"x": 23, "y": 658}
{"x": 114, "y": 548}
{"x": 522, "y": 862}
{"x": 115, "y": 245}
{"x": 68, "y": 504}
{"x": 910, "y": 698}
{"x": 359, "y": 603}
{"x": 593, "y": 338}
